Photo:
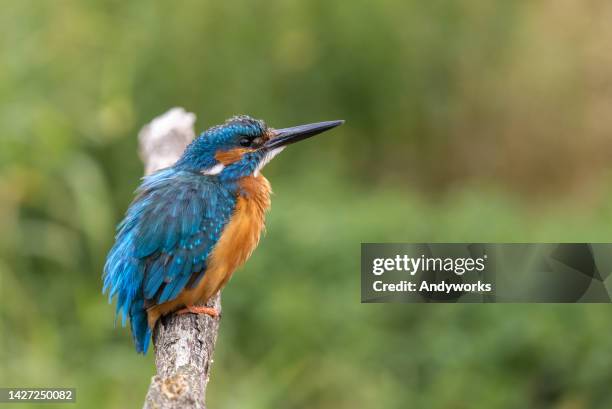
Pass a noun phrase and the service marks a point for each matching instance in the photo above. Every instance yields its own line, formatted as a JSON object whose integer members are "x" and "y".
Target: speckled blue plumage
{"x": 173, "y": 224}
{"x": 166, "y": 236}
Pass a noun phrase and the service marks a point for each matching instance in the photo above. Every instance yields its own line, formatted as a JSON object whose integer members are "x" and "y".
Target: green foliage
{"x": 466, "y": 121}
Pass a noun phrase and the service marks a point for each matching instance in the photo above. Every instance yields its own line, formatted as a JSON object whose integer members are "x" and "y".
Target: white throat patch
{"x": 267, "y": 158}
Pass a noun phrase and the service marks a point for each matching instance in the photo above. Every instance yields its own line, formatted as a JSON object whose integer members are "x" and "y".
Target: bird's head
{"x": 242, "y": 146}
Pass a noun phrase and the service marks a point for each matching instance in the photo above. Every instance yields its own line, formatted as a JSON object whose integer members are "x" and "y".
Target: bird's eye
{"x": 246, "y": 141}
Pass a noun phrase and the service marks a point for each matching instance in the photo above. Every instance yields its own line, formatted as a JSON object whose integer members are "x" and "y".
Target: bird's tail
{"x": 140, "y": 327}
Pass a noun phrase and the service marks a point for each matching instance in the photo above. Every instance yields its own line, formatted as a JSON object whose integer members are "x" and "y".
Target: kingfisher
{"x": 191, "y": 225}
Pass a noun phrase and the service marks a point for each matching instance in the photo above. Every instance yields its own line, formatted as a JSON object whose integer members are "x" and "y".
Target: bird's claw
{"x": 199, "y": 309}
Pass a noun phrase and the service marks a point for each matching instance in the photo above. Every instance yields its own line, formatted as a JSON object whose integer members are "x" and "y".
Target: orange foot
{"x": 198, "y": 309}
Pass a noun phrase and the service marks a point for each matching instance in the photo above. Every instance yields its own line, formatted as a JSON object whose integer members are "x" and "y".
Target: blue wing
{"x": 163, "y": 242}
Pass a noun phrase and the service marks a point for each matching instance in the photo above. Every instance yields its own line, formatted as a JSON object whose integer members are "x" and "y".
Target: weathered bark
{"x": 184, "y": 344}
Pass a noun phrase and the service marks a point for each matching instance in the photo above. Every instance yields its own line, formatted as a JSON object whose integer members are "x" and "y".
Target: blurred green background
{"x": 484, "y": 120}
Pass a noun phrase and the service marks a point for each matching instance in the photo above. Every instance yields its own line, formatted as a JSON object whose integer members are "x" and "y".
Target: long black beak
{"x": 286, "y": 136}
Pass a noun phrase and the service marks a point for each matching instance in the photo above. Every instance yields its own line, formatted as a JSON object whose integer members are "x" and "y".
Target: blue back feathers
{"x": 171, "y": 227}
{"x": 165, "y": 238}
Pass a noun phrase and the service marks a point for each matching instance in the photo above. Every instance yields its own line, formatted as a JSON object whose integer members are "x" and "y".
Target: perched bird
{"x": 193, "y": 224}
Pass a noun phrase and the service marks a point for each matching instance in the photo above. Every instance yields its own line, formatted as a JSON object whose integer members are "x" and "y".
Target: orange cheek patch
{"x": 231, "y": 156}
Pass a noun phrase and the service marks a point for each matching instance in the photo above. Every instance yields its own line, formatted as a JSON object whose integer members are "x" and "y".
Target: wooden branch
{"x": 184, "y": 344}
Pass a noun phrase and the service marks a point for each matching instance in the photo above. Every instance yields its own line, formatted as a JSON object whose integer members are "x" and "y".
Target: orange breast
{"x": 238, "y": 240}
